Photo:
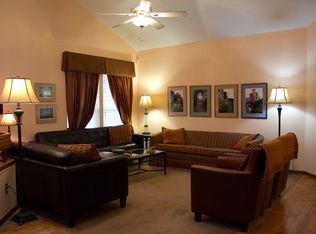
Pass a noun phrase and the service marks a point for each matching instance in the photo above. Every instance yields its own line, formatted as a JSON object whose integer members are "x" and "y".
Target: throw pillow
{"x": 121, "y": 134}
{"x": 173, "y": 136}
{"x": 86, "y": 152}
{"x": 243, "y": 141}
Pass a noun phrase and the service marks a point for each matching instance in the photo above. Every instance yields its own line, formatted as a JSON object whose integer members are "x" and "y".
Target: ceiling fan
{"x": 142, "y": 15}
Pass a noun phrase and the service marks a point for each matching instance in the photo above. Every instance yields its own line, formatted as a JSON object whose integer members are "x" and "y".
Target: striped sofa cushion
{"x": 213, "y": 139}
{"x": 193, "y": 149}
{"x": 121, "y": 134}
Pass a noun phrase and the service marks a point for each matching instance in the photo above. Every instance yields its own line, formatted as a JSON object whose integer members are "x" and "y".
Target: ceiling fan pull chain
{"x": 140, "y": 38}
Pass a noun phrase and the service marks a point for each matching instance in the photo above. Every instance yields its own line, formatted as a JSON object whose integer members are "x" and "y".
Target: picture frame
{"x": 254, "y": 100}
{"x": 177, "y": 100}
{"x": 226, "y": 101}
{"x": 45, "y": 92}
{"x": 200, "y": 101}
{"x": 45, "y": 113}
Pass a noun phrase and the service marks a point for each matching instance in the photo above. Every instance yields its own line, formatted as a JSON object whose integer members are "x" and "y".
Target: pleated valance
{"x": 95, "y": 64}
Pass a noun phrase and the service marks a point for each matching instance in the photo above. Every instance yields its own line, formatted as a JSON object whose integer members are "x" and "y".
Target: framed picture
{"x": 200, "y": 101}
{"x": 45, "y": 113}
{"x": 226, "y": 101}
{"x": 45, "y": 92}
{"x": 254, "y": 100}
{"x": 177, "y": 101}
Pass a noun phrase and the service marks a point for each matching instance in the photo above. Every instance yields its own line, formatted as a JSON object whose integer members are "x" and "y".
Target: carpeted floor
{"x": 155, "y": 204}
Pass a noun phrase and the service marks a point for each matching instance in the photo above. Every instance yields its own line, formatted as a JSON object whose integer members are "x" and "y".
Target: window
{"x": 105, "y": 111}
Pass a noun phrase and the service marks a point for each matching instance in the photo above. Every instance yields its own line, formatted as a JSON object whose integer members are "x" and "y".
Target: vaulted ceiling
{"x": 205, "y": 20}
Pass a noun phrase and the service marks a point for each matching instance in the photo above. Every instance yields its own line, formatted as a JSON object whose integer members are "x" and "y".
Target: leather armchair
{"x": 235, "y": 195}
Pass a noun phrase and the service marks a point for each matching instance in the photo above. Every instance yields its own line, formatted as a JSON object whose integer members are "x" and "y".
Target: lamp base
{"x": 23, "y": 216}
{"x": 146, "y": 133}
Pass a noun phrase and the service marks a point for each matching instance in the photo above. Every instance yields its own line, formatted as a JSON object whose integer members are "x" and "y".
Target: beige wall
{"x": 276, "y": 58}
{"x": 34, "y": 34}
{"x": 310, "y": 129}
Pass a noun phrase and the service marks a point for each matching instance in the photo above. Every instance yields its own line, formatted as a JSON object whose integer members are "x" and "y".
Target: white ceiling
{"x": 206, "y": 19}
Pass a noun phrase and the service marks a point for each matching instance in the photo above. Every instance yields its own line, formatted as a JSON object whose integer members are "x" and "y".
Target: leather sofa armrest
{"x": 137, "y": 139}
{"x": 221, "y": 185}
{"x": 206, "y": 173}
{"x": 50, "y": 154}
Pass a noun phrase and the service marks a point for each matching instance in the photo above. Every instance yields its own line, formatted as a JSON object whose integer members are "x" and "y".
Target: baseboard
{"x": 309, "y": 174}
{"x": 303, "y": 172}
{"x": 8, "y": 215}
{"x": 295, "y": 171}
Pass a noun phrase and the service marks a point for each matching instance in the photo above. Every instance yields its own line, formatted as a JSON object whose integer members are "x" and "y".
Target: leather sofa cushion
{"x": 97, "y": 136}
{"x": 121, "y": 134}
{"x": 86, "y": 152}
{"x": 173, "y": 136}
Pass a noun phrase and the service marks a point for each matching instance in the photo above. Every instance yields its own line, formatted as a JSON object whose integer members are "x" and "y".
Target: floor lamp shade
{"x": 279, "y": 95}
{"x": 18, "y": 90}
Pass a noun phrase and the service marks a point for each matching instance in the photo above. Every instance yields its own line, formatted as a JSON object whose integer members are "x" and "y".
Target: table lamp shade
{"x": 18, "y": 90}
{"x": 8, "y": 119}
{"x": 145, "y": 101}
{"x": 279, "y": 95}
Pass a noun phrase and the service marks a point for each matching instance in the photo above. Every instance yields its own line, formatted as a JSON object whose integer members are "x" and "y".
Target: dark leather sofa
{"x": 54, "y": 179}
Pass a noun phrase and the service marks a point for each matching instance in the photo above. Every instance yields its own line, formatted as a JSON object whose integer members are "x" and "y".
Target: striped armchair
{"x": 202, "y": 147}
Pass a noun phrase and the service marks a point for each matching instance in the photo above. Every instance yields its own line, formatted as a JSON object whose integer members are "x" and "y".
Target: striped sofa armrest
{"x": 257, "y": 141}
{"x": 155, "y": 139}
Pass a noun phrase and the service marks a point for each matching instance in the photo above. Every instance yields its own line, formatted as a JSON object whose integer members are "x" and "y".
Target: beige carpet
{"x": 155, "y": 204}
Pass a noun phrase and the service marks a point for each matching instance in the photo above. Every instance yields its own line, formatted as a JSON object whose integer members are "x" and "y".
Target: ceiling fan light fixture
{"x": 144, "y": 7}
{"x": 142, "y": 21}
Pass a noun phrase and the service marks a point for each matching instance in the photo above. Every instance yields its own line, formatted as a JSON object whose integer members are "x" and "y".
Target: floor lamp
{"x": 279, "y": 95}
{"x": 145, "y": 102}
{"x": 19, "y": 90}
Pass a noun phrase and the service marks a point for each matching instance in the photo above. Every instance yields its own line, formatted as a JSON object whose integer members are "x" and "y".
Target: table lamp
{"x": 8, "y": 119}
{"x": 145, "y": 102}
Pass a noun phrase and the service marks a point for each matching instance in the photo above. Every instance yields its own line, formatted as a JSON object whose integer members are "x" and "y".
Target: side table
{"x": 8, "y": 201}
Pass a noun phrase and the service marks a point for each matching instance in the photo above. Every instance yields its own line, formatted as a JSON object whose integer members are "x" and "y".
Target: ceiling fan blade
{"x": 168, "y": 14}
{"x": 124, "y": 22}
{"x": 110, "y": 13}
{"x": 156, "y": 24}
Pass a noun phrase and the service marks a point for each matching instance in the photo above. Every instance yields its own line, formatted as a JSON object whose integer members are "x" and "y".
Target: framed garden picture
{"x": 177, "y": 101}
{"x": 200, "y": 101}
{"x": 45, "y": 92}
{"x": 45, "y": 113}
{"x": 226, "y": 101}
{"x": 254, "y": 100}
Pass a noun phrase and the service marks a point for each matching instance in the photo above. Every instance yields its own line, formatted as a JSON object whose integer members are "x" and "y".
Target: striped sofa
{"x": 201, "y": 148}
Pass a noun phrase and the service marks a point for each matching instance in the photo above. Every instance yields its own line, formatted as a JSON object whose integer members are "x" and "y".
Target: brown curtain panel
{"x": 122, "y": 93}
{"x": 81, "y": 94}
